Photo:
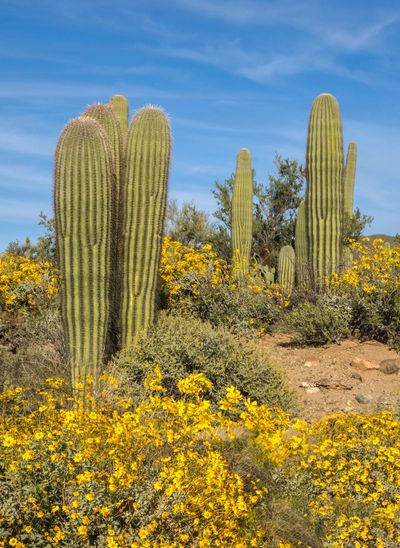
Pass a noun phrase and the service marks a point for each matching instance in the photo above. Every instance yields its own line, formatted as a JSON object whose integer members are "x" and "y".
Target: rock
{"x": 332, "y": 384}
{"x": 357, "y": 376}
{"x": 389, "y": 366}
{"x": 311, "y": 363}
{"x": 306, "y": 384}
{"x": 363, "y": 365}
{"x": 313, "y": 390}
{"x": 362, "y": 398}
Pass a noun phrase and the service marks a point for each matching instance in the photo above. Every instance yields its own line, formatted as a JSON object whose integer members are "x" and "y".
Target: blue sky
{"x": 230, "y": 73}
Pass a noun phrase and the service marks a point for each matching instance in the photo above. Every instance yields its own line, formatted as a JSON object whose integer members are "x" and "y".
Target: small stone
{"x": 363, "y": 365}
{"x": 389, "y": 366}
{"x": 357, "y": 376}
{"x": 306, "y": 384}
{"x": 313, "y": 390}
{"x": 311, "y": 363}
{"x": 362, "y": 398}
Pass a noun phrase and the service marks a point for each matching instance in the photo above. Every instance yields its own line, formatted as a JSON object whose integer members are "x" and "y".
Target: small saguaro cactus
{"x": 242, "y": 211}
{"x": 348, "y": 198}
{"x": 302, "y": 274}
{"x": 120, "y": 105}
{"x": 324, "y": 171}
{"x": 143, "y": 207}
{"x": 286, "y": 267}
{"x": 83, "y": 204}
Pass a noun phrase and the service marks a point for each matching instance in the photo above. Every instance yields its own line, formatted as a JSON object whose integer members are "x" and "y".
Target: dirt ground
{"x": 331, "y": 378}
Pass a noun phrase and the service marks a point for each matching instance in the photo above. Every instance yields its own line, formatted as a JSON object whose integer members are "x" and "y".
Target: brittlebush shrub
{"x": 26, "y": 285}
{"x": 184, "y": 345}
{"x": 117, "y": 475}
{"x": 326, "y": 319}
{"x": 373, "y": 287}
{"x": 30, "y": 330}
{"x": 198, "y": 283}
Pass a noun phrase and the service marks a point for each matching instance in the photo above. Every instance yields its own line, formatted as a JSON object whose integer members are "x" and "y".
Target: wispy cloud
{"x": 19, "y": 210}
{"x": 26, "y": 143}
{"x": 24, "y": 177}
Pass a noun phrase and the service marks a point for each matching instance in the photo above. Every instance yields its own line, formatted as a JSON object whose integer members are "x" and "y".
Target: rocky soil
{"x": 349, "y": 376}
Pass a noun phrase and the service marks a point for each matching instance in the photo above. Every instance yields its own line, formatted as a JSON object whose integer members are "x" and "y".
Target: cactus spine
{"x": 83, "y": 203}
{"x": 301, "y": 262}
{"x": 143, "y": 210}
{"x": 286, "y": 267}
{"x": 242, "y": 211}
{"x": 348, "y": 198}
{"x": 120, "y": 105}
{"x": 324, "y": 170}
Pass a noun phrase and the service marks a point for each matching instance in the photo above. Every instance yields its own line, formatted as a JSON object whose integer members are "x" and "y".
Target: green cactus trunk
{"x": 83, "y": 203}
{"x": 242, "y": 212}
{"x": 302, "y": 274}
{"x": 143, "y": 211}
{"x": 120, "y": 105}
{"x": 286, "y": 267}
{"x": 324, "y": 170}
{"x": 107, "y": 118}
{"x": 348, "y": 199}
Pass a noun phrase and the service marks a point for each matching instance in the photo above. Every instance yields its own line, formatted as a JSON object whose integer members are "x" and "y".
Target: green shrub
{"x": 243, "y": 310}
{"x": 325, "y": 320}
{"x": 31, "y": 348}
{"x": 377, "y": 317}
{"x": 183, "y": 345}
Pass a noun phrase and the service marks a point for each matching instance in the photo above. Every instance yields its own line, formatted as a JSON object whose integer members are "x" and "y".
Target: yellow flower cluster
{"x": 188, "y": 273}
{"x": 118, "y": 477}
{"x": 25, "y": 283}
{"x": 375, "y": 269}
{"x": 353, "y": 466}
{"x": 156, "y": 475}
{"x": 185, "y": 269}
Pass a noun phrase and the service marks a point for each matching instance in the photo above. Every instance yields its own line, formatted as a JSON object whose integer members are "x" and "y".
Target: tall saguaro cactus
{"x": 83, "y": 203}
{"x": 348, "y": 197}
{"x": 301, "y": 262}
{"x": 242, "y": 211}
{"x": 143, "y": 209}
{"x": 324, "y": 170}
{"x": 286, "y": 267}
{"x": 107, "y": 118}
{"x": 120, "y": 105}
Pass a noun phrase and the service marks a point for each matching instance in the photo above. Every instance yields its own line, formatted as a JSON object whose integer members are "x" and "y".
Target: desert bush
{"x": 325, "y": 319}
{"x": 25, "y": 284}
{"x": 373, "y": 287}
{"x": 172, "y": 472}
{"x": 184, "y": 345}
{"x": 196, "y": 282}
{"x": 31, "y": 348}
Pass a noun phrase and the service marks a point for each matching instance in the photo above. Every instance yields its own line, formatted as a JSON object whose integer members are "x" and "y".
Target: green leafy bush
{"x": 377, "y": 317}
{"x": 180, "y": 346}
{"x": 325, "y": 320}
{"x": 243, "y": 310}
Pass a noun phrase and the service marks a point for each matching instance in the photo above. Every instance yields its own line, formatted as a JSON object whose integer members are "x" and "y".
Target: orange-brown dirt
{"x": 325, "y": 381}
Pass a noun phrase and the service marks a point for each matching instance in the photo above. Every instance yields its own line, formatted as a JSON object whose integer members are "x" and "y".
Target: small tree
{"x": 187, "y": 224}
{"x": 274, "y": 211}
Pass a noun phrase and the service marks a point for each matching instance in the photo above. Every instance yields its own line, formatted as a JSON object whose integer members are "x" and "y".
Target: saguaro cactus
{"x": 348, "y": 198}
{"x": 83, "y": 203}
{"x": 143, "y": 204}
{"x": 242, "y": 211}
{"x": 324, "y": 170}
{"x": 120, "y": 105}
{"x": 107, "y": 118}
{"x": 286, "y": 267}
{"x": 302, "y": 274}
